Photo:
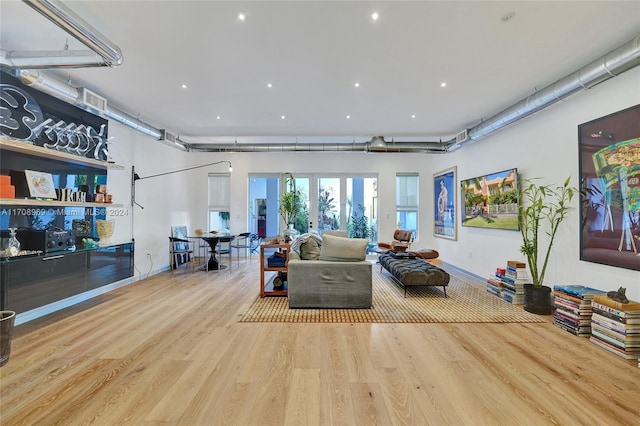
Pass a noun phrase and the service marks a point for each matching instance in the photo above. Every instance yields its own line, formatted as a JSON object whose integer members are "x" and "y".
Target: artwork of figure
{"x": 618, "y": 167}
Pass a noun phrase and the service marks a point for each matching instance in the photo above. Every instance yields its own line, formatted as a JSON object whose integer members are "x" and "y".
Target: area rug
{"x": 464, "y": 304}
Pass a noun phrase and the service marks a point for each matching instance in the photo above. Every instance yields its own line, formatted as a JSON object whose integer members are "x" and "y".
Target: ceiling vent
{"x": 462, "y": 136}
{"x": 168, "y": 136}
{"x": 93, "y": 101}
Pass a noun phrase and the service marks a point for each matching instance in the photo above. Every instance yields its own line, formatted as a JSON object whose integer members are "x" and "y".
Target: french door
{"x": 342, "y": 202}
{"x": 335, "y": 202}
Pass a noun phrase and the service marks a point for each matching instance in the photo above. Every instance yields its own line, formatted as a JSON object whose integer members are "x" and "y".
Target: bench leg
{"x": 444, "y": 288}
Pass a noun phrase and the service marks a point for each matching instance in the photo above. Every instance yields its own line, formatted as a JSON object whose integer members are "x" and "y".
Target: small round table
{"x": 213, "y": 264}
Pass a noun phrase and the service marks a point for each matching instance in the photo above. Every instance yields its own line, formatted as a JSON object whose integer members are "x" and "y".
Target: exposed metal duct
{"x": 377, "y": 144}
{"x": 61, "y": 90}
{"x": 610, "y": 65}
{"x": 108, "y": 54}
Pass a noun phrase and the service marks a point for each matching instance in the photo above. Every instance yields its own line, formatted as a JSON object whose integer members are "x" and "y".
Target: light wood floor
{"x": 169, "y": 350}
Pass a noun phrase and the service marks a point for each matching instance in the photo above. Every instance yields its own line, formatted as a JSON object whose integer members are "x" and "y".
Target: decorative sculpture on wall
{"x": 22, "y": 118}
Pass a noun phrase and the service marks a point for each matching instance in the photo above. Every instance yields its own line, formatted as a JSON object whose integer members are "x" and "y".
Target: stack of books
{"x": 615, "y": 326}
{"x": 508, "y": 283}
{"x": 573, "y": 308}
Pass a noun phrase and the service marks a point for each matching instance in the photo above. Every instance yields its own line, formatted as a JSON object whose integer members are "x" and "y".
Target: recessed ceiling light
{"x": 443, "y": 84}
{"x": 413, "y": 116}
{"x": 375, "y": 16}
{"x": 217, "y": 117}
{"x": 184, "y": 86}
{"x": 507, "y": 16}
{"x": 269, "y": 85}
{"x": 348, "y": 116}
{"x": 356, "y": 84}
{"x": 241, "y": 16}
{"x": 282, "y": 117}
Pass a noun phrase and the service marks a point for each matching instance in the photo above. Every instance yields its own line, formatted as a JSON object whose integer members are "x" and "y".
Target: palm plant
{"x": 291, "y": 202}
{"x": 358, "y": 225}
{"x": 543, "y": 206}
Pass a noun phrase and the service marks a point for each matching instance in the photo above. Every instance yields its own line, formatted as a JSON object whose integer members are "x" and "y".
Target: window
{"x": 407, "y": 201}
{"x": 219, "y": 205}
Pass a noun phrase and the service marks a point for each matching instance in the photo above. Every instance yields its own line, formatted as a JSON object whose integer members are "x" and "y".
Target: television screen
{"x": 491, "y": 201}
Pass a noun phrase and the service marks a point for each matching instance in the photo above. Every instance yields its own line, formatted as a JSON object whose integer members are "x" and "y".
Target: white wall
{"x": 545, "y": 144}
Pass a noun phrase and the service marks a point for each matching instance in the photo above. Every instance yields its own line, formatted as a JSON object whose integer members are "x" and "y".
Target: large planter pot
{"x": 537, "y": 300}
{"x": 7, "y": 319}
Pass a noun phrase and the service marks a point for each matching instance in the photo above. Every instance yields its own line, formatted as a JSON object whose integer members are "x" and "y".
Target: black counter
{"x": 29, "y": 282}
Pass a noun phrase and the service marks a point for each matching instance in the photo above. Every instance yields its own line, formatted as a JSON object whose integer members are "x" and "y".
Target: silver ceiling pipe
{"x": 610, "y": 65}
{"x": 128, "y": 120}
{"x": 108, "y": 53}
{"x": 374, "y": 146}
{"x": 49, "y": 59}
{"x": 48, "y": 84}
{"x": 63, "y": 91}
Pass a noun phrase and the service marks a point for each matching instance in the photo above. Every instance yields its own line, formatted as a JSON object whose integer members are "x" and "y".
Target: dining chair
{"x": 247, "y": 242}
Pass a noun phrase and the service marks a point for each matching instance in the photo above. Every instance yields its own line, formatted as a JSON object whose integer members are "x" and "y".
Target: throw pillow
{"x": 310, "y": 250}
{"x": 342, "y": 249}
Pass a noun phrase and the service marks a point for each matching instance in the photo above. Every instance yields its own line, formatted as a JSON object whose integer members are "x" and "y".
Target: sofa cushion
{"x": 335, "y": 233}
{"x": 342, "y": 249}
{"x": 309, "y": 250}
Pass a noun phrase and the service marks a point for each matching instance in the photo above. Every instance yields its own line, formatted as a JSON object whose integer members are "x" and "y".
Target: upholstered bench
{"x": 410, "y": 271}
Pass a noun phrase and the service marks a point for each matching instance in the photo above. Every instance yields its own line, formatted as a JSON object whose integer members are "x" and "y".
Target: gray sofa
{"x": 331, "y": 281}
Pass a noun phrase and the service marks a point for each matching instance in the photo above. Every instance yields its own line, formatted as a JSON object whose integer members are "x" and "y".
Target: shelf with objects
{"x": 274, "y": 258}
{"x": 55, "y": 202}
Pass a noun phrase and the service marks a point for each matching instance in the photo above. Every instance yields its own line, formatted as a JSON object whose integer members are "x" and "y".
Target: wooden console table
{"x": 266, "y": 286}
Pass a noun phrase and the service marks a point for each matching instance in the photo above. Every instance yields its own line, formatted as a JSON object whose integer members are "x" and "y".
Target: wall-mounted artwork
{"x": 609, "y": 149}
{"x": 445, "y": 220}
{"x": 491, "y": 201}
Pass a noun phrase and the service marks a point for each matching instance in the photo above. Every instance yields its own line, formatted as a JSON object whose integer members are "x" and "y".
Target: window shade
{"x": 219, "y": 189}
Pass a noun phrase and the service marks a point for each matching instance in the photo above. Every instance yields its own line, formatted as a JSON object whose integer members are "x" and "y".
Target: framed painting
{"x": 609, "y": 150}
{"x": 444, "y": 192}
{"x": 491, "y": 201}
{"x": 40, "y": 185}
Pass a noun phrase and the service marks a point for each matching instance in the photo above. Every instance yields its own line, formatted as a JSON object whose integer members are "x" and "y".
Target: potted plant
{"x": 358, "y": 225}
{"x": 291, "y": 203}
{"x": 541, "y": 211}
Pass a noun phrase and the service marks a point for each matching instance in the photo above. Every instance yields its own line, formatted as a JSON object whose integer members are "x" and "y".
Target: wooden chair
{"x": 180, "y": 253}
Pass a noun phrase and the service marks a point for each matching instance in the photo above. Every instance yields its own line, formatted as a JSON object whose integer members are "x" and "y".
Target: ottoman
{"x": 410, "y": 271}
{"x": 425, "y": 253}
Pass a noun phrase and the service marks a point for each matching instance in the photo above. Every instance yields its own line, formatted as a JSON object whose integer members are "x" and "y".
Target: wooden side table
{"x": 266, "y": 285}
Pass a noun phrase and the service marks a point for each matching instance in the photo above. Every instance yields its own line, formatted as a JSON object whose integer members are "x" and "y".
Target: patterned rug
{"x": 464, "y": 304}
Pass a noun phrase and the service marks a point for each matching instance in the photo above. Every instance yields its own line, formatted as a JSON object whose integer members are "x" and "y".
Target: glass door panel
{"x": 301, "y": 223}
{"x": 361, "y": 208}
{"x": 329, "y": 211}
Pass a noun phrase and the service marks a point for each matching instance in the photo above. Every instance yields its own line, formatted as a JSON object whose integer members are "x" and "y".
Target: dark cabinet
{"x": 108, "y": 265}
{"x": 32, "y": 282}
{"x": 35, "y": 282}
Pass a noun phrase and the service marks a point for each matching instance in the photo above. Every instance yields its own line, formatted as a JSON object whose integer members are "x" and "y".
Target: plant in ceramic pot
{"x": 542, "y": 209}
{"x": 291, "y": 203}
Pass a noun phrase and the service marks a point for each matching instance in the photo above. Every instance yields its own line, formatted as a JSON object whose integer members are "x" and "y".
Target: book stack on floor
{"x": 573, "y": 308}
{"x": 508, "y": 283}
{"x": 615, "y": 326}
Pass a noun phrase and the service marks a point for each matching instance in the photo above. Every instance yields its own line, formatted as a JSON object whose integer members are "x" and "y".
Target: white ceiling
{"x": 314, "y": 52}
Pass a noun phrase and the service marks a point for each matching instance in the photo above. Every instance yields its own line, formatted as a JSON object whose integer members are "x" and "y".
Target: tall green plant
{"x": 542, "y": 206}
{"x": 358, "y": 225}
{"x": 291, "y": 202}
